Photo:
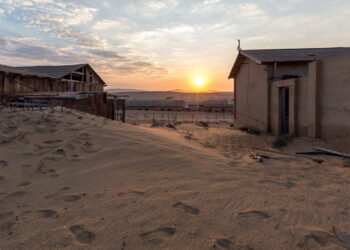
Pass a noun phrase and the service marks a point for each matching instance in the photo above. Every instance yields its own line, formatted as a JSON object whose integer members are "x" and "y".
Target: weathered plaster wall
{"x": 292, "y": 68}
{"x": 334, "y": 101}
{"x": 252, "y": 96}
{"x": 302, "y": 115}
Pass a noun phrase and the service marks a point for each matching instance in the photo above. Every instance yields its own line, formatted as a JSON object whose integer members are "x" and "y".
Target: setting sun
{"x": 199, "y": 81}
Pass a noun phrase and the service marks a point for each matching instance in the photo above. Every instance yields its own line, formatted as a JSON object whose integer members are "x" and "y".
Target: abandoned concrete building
{"x": 300, "y": 92}
{"x": 65, "y": 78}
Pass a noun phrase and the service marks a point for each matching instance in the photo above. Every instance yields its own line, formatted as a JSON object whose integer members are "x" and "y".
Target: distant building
{"x": 218, "y": 106}
{"x": 156, "y": 105}
{"x": 64, "y": 78}
{"x": 303, "y": 92}
{"x": 194, "y": 106}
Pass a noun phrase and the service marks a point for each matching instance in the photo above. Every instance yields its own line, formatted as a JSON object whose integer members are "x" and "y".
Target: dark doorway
{"x": 284, "y": 110}
{"x": 2, "y": 85}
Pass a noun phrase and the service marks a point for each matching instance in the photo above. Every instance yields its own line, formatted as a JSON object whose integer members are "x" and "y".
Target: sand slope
{"x": 76, "y": 181}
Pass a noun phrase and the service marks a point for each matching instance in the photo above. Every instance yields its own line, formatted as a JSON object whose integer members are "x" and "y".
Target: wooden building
{"x": 64, "y": 78}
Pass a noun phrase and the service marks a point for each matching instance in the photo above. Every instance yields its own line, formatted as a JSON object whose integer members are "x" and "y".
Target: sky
{"x": 166, "y": 44}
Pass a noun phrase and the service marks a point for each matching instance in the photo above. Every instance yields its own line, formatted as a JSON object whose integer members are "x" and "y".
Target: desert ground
{"x": 75, "y": 181}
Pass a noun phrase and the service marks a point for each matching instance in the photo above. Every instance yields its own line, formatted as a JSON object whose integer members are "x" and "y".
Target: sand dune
{"x": 75, "y": 181}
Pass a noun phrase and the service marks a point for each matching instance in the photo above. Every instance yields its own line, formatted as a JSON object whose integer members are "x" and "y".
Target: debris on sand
{"x": 169, "y": 125}
{"x": 189, "y": 136}
{"x": 202, "y": 124}
{"x": 253, "y": 131}
{"x": 256, "y": 157}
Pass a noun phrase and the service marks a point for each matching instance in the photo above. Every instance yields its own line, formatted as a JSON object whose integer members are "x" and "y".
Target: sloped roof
{"x": 20, "y": 71}
{"x": 56, "y": 71}
{"x": 285, "y": 55}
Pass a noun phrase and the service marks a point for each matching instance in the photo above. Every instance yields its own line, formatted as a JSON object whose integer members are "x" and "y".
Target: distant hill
{"x": 173, "y": 95}
{"x": 123, "y": 90}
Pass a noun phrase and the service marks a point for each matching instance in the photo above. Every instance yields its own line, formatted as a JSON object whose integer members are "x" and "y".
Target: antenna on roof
{"x": 239, "y": 44}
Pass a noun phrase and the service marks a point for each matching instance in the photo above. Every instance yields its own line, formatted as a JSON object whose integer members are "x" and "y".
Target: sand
{"x": 74, "y": 181}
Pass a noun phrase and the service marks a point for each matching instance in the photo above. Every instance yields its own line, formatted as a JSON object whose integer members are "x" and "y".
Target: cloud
{"x": 120, "y": 24}
{"x": 15, "y": 48}
{"x": 250, "y": 9}
{"x": 147, "y": 7}
{"x": 1, "y": 12}
{"x": 40, "y": 53}
{"x": 56, "y": 18}
{"x": 108, "y": 54}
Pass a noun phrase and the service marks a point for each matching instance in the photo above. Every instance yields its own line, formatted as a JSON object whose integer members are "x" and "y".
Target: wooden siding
{"x": 14, "y": 83}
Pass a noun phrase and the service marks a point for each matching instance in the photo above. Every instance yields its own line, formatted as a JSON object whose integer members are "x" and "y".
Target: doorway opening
{"x": 284, "y": 110}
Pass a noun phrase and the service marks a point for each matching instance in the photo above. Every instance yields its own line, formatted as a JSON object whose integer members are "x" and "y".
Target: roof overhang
{"x": 242, "y": 55}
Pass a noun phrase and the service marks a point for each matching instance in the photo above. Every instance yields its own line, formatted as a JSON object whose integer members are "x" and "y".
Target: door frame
{"x": 276, "y": 111}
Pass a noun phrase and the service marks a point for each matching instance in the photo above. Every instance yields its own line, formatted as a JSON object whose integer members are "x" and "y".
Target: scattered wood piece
{"x": 256, "y": 157}
{"x": 290, "y": 155}
{"x": 319, "y": 161}
{"x": 313, "y": 153}
{"x": 272, "y": 158}
{"x": 169, "y": 125}
{"x": 264, "y": 156}
{"x": 272, "y": 151}
{"x": 333, "y": 152}
{"x": 189, "y": 136}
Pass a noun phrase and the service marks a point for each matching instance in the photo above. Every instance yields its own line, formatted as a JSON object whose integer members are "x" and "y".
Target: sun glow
{"x": 199, "y": 81}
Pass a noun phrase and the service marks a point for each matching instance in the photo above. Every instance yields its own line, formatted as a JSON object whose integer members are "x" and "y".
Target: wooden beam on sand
{"x": 319, "y": 161}
{"x": 332, "y": 152}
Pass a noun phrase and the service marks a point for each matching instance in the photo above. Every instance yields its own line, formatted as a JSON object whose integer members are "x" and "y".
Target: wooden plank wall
{"x": 10, "y": 83}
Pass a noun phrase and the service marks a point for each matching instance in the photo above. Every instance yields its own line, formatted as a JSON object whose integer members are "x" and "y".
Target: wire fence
{"x": 137, "y": 116}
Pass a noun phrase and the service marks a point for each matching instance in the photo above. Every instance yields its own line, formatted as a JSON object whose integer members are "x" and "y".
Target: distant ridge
{"x": 125, "y": 90}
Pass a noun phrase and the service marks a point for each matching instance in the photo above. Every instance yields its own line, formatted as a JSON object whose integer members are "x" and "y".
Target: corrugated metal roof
{"x": 285, "y": 55}
{"x": 56, "y": 71}
{"x": 20, "y": 71}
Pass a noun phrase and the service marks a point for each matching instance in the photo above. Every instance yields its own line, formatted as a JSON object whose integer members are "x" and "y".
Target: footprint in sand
{"x": 24, "y": 184}
{"x": 254, "y": 213}
{"x": 6, "y": 215}
{"x": 60, "y": 152}
{"x": 188, "y": 209}
{"x": 48, "y": 213}
{"x": 72, "y": 197}
{"x": 156, "y": 235}
{"x": 6, "y": 226}
{"x": 230, "y": 244}
{"x": 82, "y": 235}
{"x": 53, "y": 142}
{"x": 52, "y": 173}
{"x": 16, "y": 194}
{"x": 3, "y": 163}
{"x": 88, "y": 147}
{"x": 225, "y": 243}
{"x": 318, "y": 239}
